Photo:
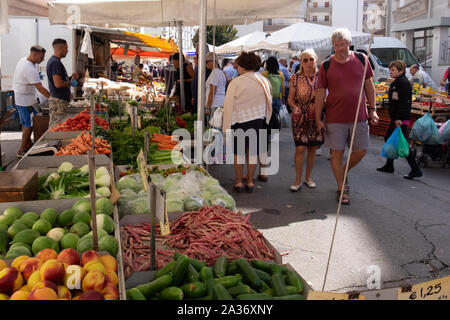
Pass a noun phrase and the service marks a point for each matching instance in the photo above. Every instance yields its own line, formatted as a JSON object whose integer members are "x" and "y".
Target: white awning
{"x": 249, "y": 42}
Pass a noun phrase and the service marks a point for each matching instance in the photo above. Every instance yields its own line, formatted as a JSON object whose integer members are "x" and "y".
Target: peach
{"x": 76, "y": 294}
{"x": 92, "y": 295}
{"x": 47, "y": 254}
{"x": 42, "y": 294}
{"x": 94, "y": 265}
{"x": 3, "y": 264}
{"x": 109, "y": 262}
{"x": 94, "y": 280}
{"x": 111, "y": 292}
{"x": 4, "y": 296}
{"x": 29, "y": 266}
{"x": 46, "y": 284}
{"x": 89, "y": 256}
{"x": 73, "y": 276}
{"x": 18, "y": 261}
{"x": 69, "y": 256}
{"x": 19, "y": 295}
{"x": 25, "y": 288}
{"x": 111, "y": 277}
{"x": 53, "y": 270}
{"x": 76, "y": 298}
{"x": 10, "y": 280}
{"x": 34, "y": 279}
{"x": 64, "y": 293}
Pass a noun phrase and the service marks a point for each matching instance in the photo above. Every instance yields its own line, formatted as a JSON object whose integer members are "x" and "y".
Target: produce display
{"x": 80, "y": 122}
{"x": 49, "y": 275}
{"x": 68, "y": 182}
{"x": 82, "y": 144}
{"x": 185, "y": 278}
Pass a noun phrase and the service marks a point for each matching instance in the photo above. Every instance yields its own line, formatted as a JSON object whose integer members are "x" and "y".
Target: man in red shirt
{"x": 342, "y": 76}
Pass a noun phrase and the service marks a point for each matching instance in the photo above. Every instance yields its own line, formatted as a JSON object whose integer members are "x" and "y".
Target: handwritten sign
{"x": 438, "y": 289}
{"x": 142, "y": 166}
{"x": 319, "y": 295}
{"x": 161, "y": 212}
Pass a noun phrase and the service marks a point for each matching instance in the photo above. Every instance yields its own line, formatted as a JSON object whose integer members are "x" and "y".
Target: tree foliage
{"x": 224, "y": 34}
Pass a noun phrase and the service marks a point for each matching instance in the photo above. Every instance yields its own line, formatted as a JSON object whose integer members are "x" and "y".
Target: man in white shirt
{"x": 26, "y": 81}
{"x": 420, "y": 77}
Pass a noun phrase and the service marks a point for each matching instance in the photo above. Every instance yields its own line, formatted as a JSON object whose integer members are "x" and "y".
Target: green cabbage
{"x": 139, "y": 206}
{"x": 127, "y": 183}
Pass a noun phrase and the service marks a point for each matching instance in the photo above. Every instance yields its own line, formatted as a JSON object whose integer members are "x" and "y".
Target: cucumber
{"x": 155, "y": 298}
{"x": 220, "y": 268}
{"x": 291, "y": 297}
{"x": 194, "y": 290}
{"x": 255, "y": 296}
{"x": 249, "y": 273}
{"x": 180, "y": 270}
{"x": 221, "y": 293}
{"x": 264, "y": 286}
{"x": 206, "y": 273}
{"x": 172, "y": 293}
{"x": 192, "y": 274}
{"x": 210, "y": 284}
{"x": 269, "y": 292}
{"x": 276, "y": 269}
{"x": 204, "y": 298}
{"x": 239, "y": 276}
{"x": 176, "y": 255}
{"x": 135, "y": 294}
{"x": 293, "y": 280}
{"x": 232, "y": 268}
{"x": 197, "y": 264}
{"x": 239, "y": 289}
{"x": 262, "y": 265}
{"x": 151, "y": 288}
{"x": 264, "y": 276}
{"x": 165, "y": 270}
{"x": 278, "y": 285}
{"x": 227, "y": 281}
{"x": 292, "y": 290}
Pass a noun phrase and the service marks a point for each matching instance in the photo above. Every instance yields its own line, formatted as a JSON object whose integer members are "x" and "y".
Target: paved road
{"x": 401, "y": 226}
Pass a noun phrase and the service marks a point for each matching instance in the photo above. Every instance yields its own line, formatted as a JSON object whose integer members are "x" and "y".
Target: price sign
{"x": 161, "y": 212}
{"x": 438, "y": 289}
{"x": 319, "y": 295}
{"x": 142, "y": 166}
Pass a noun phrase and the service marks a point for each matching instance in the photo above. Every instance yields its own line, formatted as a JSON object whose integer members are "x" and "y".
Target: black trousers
{"x": 410, "y": 158}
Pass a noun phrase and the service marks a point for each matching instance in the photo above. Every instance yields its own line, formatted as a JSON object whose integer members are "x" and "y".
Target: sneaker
{"x": 413, "y": 174}
{"x": 20, "y": 154}
{"x": 386, "y": 169}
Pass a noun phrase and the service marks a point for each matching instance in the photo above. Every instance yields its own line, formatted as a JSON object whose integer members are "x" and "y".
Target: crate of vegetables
{"x": 80, "y": 122}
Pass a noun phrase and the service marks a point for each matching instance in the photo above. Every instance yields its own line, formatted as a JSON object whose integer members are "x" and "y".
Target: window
{"x": 423, "y": 46}
{"x": 384, "y": 56}
{"x": 269, "y": 22}
{"x": 315, "y": 5}
{"x": 327, "y": 18}
{"x": 315, "y": 18}
{"x": 327, "y": 4}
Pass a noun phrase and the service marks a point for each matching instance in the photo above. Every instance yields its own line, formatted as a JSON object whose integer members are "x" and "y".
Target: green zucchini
{"x": 151, "y": 288}
{"x": 176, "y": 255}
{"x": 135, "y": 294}
{"x": 197, "y": 264}
{"x": 249, "y": 273}
{"x": 291, "y": 297}
{"x": 221, "y": 293}
{"x": 227, "y": 281}
{"x": 264, "y": 276}
{"x": 278, "y": 285}
{"x": 265, "y": 286}
{"x": 276, "y": 269}
{"x": 206, "y": 273}
{"x": 194, "y": 290}
{"x": 293, "y": 280}
{"x": 255, "y": 296}
{"x": 262, "y": 265}
{"x": 210, "y": 284}
{"x": 172, "y": 293}
{"x": 180, "y": 270}
{"x": 192, "y": 274}
{"x": 239, "y": 276}
{"x": 232, "y": 268}
{"x": 165, "y": 270}
{"x": 204, "y": 298}
{"x": 292, "y": 290}
{"x": 239, "y": 289}
{"x": 220, "y": 268}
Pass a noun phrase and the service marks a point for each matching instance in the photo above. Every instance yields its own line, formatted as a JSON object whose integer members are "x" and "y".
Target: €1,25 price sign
{"x": 438, "y": 289}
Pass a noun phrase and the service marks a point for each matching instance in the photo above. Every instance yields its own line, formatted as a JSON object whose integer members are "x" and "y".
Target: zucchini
{"x": 276, "y": 269}
{"x": 249, "y": 273}
{"x": 293, "y": 280}
{"x": 292, "y": 290}
{"x": 291, "y": 297}
{"x": 227, "y": 281}
{"x": 221, "y": 293}
{"x": 206, "y": 273}
{"x": 151, "y": 288}
{"x": 239, "y": 276}
{"x": 278, "y": 285}
{"x": 192, "y": 274}
{"x": 210, "y": 284}
{"x": 264, "y": 276}
{"x": 232, "y": 268}
{"x": 180, "y": 270}
{"x": 165, "y": 270}
{"x": 135, "y": 294}
{"x": 262, "y": 265}
{"x": 239, "y": 289}
{"x": 265, "y": 286}
{"x": 194, "y": 290}
{"x": 172, "y": 293}
{"x": 204, "y": 298}
{"x": 255, "y": 296}
{"x": 197, "y": 264}
{"x": 220, "y": 268}
{"x": 176, "y": 255}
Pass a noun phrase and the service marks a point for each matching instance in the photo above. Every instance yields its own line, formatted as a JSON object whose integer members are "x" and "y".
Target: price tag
{"x": 438, "y": 289}
{"x": 319, "y": 295}
{"x": 142, "y": 166}
{"x": 161, "y": 212}
{"x": 139, "y": 122}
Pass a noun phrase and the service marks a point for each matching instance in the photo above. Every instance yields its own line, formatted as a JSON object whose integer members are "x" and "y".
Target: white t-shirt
{"x": 217, "y": 78}
{"x": 25, "y": 76}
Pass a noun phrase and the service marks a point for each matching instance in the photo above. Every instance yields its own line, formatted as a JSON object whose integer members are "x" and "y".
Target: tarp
{"x": 165, "y": 45}
{"x": 132, "y": 53}
{"x": 249, "y": 42}
{"x": 151, "y": 13}
{"x": 303, "y": 35}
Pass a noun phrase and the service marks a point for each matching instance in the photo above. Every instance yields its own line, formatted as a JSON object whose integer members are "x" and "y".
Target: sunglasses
{"x": 306, "y": 60}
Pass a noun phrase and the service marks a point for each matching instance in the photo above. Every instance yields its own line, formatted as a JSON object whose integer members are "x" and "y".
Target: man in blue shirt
{"x": 59, "y": 83}
{"x": 287, "y": 77}
{"x": 295, "y": 63}
{"x": 230, "y": 70}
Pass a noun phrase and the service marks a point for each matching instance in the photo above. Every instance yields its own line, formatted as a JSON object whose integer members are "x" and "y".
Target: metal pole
{"x": 91, "y": 161}
{"x": 152, "y": 188}
{"x": 180, "y": 48}
{"x": 201, "y": 74}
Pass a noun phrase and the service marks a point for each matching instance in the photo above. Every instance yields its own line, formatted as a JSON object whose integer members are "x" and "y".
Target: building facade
{"x": 374, "y": 17}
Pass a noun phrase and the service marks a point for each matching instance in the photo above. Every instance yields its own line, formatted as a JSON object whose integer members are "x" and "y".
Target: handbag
{"x": 217, "y": 118}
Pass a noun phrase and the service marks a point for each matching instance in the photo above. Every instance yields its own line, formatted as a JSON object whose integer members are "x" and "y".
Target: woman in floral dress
{"x": 301, "y": 100}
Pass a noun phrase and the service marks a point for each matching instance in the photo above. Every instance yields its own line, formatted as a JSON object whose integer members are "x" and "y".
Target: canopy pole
{"x": 180, "y": 48}
{"x": 201, "y": 73}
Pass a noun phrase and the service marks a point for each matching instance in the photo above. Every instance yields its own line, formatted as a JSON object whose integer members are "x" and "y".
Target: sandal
{"x": 262, "y": 177}
{"x": 310, "y": 184}
{"x": 345, "y": 197}
{"x": 238, "y": 189}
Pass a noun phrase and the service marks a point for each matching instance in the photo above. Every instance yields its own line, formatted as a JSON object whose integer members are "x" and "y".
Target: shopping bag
{"x": 422, "y": 128}
{"x": 389, "y": 149}
{"x": 445, "y": 131}
{"x": 216, "y": 119}
{"x": 284, "y": 115}
{"x": 402, "y": 145}
{"x": 435, "y": 138}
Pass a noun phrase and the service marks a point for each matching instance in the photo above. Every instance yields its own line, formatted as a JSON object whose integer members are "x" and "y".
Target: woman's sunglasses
{"x": 306, "y": 60}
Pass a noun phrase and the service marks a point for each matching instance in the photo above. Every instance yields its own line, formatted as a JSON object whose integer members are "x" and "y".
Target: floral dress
{"x": 303, "y": 122}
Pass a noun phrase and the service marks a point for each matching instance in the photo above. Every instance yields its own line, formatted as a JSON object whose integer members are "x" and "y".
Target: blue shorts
{"x": 25, "y": 115}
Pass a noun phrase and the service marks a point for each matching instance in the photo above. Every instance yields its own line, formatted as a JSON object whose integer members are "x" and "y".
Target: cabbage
{"x": 171, "y": 182}
{"x": 104, "y": 192}
{"x": 174, "y": 205}
{"x": 193, "y": 203}
{"x": 65, "y": 167}
{"x": 226, "y": 201}
{"x": 210, "y": 182}
{"x": 127, "y": 183}
{"x": 139, "y": 206}
{"x": 127, "y": 195}
{"x": 100, "y": 172}
{"x": 104, "y": 206}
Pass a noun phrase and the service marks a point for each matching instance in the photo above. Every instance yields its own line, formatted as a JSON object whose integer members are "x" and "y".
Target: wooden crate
{"x": 18, "y": 185}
